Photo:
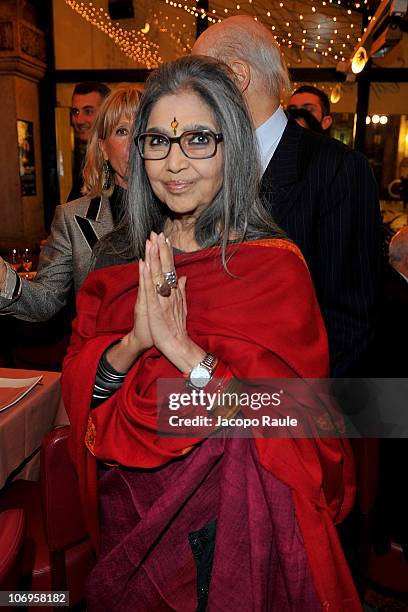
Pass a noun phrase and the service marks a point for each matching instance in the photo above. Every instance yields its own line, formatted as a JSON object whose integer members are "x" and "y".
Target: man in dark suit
{"x": 391, "y": 362}
{"x": 319, "y": 191}
{"x": 392, "y": 336}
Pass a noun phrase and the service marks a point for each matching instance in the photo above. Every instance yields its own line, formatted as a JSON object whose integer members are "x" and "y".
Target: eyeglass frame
{"x": 218, "y": 137}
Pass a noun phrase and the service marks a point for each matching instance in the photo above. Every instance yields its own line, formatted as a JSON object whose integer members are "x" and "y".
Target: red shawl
{"x": 263, "y": 321}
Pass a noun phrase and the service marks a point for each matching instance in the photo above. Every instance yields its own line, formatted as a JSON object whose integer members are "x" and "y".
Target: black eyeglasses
{"x": 195, "y": 144}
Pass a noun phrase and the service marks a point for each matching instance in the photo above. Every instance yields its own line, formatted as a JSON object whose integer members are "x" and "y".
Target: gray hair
{"x": 236, "y": 210}
{"x": 241, "y": 37}
{"x": 398, "y": 249}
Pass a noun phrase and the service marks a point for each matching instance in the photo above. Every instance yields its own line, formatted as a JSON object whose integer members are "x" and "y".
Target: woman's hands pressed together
{"x": 159, "y": 321}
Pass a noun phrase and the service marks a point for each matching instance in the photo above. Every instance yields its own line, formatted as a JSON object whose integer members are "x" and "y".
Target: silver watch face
{"x": 199, "y": 376}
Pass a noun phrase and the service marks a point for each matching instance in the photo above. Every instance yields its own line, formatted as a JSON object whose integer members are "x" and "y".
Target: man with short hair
{"x": 319, "y": 191}
{"x": 315, "y": 101}
{"x": 87, "y": 98}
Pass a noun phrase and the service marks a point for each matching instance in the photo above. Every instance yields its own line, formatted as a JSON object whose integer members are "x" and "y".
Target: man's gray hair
{"x": 248, "y": 40}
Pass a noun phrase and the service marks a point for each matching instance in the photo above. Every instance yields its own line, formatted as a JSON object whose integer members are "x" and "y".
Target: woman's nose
{"x": 176, "y": 160}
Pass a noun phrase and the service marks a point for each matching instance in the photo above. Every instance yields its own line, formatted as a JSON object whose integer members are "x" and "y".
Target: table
{"x": 23, "y": 425}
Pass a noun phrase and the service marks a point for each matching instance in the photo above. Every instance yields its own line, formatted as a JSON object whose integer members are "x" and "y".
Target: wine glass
{"x": 27, "y": 260}
{"x": 14, "y": 259}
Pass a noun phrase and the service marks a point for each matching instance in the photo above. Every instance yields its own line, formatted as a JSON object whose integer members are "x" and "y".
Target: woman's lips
{"x": 178, "y": 186}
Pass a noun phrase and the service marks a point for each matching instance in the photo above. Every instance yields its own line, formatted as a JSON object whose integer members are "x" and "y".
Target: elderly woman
{"x": 65, "y": 259}
{"x": 192, "y": 522}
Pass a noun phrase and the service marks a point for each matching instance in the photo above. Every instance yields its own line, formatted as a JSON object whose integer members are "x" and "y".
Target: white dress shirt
{"x": 403, "y": 275}
{"x": 269, "y": 134}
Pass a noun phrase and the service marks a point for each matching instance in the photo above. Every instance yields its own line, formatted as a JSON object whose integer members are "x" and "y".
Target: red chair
{"x": 57, "y": 555}
{"x": 389, "y": 571}
{"x": 12, "y": 526}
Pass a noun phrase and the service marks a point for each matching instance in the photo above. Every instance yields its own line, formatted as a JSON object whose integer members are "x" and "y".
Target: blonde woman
{"x": 77, "y": 226}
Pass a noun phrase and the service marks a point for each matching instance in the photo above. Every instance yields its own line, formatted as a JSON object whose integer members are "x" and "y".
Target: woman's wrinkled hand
{"x": 167, "y": 316}
{"x": 158, "y": 321}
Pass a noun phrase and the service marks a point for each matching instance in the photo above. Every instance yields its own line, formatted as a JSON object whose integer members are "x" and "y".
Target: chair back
{"x": 12, "y": 529}
{"x": 62, "y": 516}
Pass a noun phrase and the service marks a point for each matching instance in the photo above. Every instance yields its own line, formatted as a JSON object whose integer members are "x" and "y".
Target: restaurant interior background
{"x": 47, "y": 46}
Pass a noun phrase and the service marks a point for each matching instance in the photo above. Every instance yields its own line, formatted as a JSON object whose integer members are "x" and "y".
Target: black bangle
{"x": 107, "y": 368}
{"x": 107, "y": 379}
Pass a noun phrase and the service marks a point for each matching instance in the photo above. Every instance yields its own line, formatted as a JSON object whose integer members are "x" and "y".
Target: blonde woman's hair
{"x": 124, "y": 100}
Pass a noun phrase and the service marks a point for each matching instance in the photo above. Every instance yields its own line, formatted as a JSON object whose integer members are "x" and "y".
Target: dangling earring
{"x": 107, "y": 186}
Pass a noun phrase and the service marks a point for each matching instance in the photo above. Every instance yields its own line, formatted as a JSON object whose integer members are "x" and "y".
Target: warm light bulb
{"x": 368, "y": 120}
{"x": 359, "y": 60}
{"x": 375, "y": 119}
{"x": 335, "y": 94}
{"x": 383, "y": 119}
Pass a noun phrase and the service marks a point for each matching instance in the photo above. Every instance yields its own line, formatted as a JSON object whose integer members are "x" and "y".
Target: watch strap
{"x": 209, "y": 363}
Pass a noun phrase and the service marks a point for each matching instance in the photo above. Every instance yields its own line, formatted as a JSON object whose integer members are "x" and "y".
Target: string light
{"x": 289, "y": 30}
{"x": 133, "y": 44}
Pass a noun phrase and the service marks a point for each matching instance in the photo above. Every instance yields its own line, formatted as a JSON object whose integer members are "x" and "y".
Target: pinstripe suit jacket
{"x": 324, "y": 195}
{"x": 65, "y": 259}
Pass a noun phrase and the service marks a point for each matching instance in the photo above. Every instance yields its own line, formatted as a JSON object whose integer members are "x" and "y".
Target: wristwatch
{"x": 202, "y": 373}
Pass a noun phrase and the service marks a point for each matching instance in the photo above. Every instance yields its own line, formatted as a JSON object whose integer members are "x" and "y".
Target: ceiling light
{"x": 335, "y": 94}
{"x": 359, "y": 60}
